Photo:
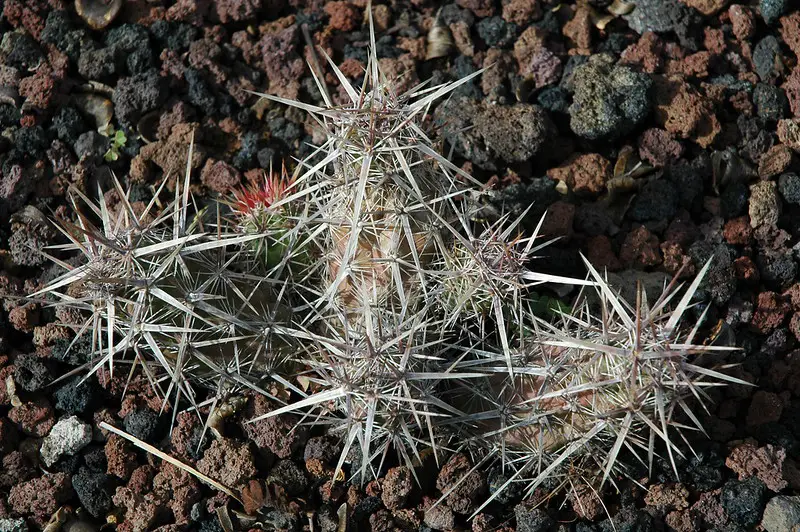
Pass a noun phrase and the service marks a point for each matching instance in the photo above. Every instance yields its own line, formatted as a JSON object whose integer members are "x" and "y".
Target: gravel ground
{"x": 655, "y": 138}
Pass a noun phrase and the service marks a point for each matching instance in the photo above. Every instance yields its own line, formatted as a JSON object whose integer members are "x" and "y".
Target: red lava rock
{"x": 464, "y": 498}
{"x": 584, "y": 173}
{"x": 743, "y": 21}
{"x": 658, "y": 147}
{"x": 47, "y": 334}
{"x": 766, "y": 463}
{"x": 439, "y": 517}
{"x": 278, "y": 434}
{"x": 646, "y": 53}
{"x": 40, "y": 88}
{"x": 667, "y": 497}
{"x": 17, "y": 468}
{"x": 403, "y": 70}
{"x": 738, "y": 231}
{"x": 522, "y": 12}
{"x": 35, "y": 417}
{"x": 220, "y": 177}
{"x": 29, "y": 14}
{"x": 682, "y": 521}
{"x": 237, "y": 10}
{"x": 579, "y": 30}
{"x": 709, "y": 510}
{"x": 585, "y": 503}
{"x": 179, "y": 488}
{"x": 284, "y": 67}
{"x": 189, "y": 11}
{"x": 171, "y": 154}
{"x": 228, "y": 461}
{"x": 791, "y": 88}
{"x": 558, "y": 220}
{"x": 120, "y": 457}
{"x": 481, "y": 8}
{"x": 775, "y": 162}
{"x": 24, "y": 318}
{"x": 40, "y": 497}
{"x": 640, "y": 248}
{"x": 765, "y": 407}
{"x": 714, "y": 40}
{"x": 683, "y": 111}
{"x": 706, "y": 7}
{"x": 144, "y": 509}
{"x": 675, "y": 259}
{"x": 601, "y": 255}
{"x": 745, "y": 270}
{"x": 344, "y": 16}
{"x": 790, "y": 31}
{"x": 396, "y": 487}
{"x": 771, "y": 309}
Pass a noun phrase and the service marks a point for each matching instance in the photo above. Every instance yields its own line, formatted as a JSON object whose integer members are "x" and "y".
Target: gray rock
{"x": 67, "y": 437}
{"x": 781, "y": 514}
{"x": 13, "y": 525}
{"x": 609, "y": 100}
{"x": 661, "y": 16}
{"x": 483, "y": 132}
{"x": 771, "y": 10}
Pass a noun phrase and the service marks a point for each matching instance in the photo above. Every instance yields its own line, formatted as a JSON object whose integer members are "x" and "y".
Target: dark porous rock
{"x": 496, "y": 32}
{"x": 743, "y": 501}
{"x": 139, "y": 94}
{"x": 288, "y": 474}
{"x": 532, "y": 519}
{"x": 771, "y": 10}
{"x": 771, "y": 102}
{"x": 31, "y": 373}
{"x": 143, "y": 423}
{"x": 658, "y": 200}
{"x": 767, "y": 58}
{"x": 789, "y": 187}
{"x": 609, "y": 100}
{"x": 78, "y": 398}
{"x": 94, "y": 491}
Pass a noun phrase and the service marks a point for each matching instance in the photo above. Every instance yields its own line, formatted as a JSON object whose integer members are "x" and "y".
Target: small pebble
{"x": 67, "y": 437}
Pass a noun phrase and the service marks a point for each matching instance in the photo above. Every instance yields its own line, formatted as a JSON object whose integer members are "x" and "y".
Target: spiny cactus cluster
{"x": 370, "y": 291}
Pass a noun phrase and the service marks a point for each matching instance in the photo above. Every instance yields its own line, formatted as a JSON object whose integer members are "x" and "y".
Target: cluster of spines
{"x": 408, "y": 319}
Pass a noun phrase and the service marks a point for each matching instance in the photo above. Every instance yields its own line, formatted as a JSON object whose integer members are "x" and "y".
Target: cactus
{"x": 368, "y": 287}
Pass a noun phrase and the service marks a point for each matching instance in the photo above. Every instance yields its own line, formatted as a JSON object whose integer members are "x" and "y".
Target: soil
{"x": 655, "y": 138}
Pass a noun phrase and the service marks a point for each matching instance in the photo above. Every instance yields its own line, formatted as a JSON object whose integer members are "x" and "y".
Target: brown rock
{"x": 790, "y": 31}
{"x": 522, "y": 12}
{"x": 646, "y": 53}
{"x": 682, "y": 111}
{"x": 544, "y": 68}
{"x": 283, "y": 65}
{"x": 228, "y": 461}
{"x": 220, "y": 177}
{"x": 706, "y": 7}
{"x": 766, "y": 463}
{"x": 765, "y": 204}
{"x": 667, "y": 497}
{"x": 579, "y": 30}
{"x": 657, "y": 147}
{"x": 791, "y": 88}
{"x": 464, "y": 498}
{"x": 496, "y": 64}
{"x": 344, "y": 16}
{"x": 481, "y": 8}
{"x": 765, "y": 407}
{"x": 279, "y": 434}
{"x": 675, "y": 260}
{"x": 738, "y": 231}
{"x": 743, "y": 21}
{"x": 462, "y": 38}
{"x": 179, "y": 488}
{"x": 584, "y": 174}
{"x": 776, "y": 161}
{"x": 397, "y": 486}
{"x": 601, "y": 255}
{"x": 558, "y": 220}
{"x": 531, "y": 41}
{"x": 744, "y": 269}
{"x": 35, "y": 417}
{"x": 640, "y": 249}
{"x": 789, "y": 132}
{"x": 586, "y": 503}
{"x": 40, "y": 497}
{"x": 120, "y": 457}
{"x": 771, "y": 309}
